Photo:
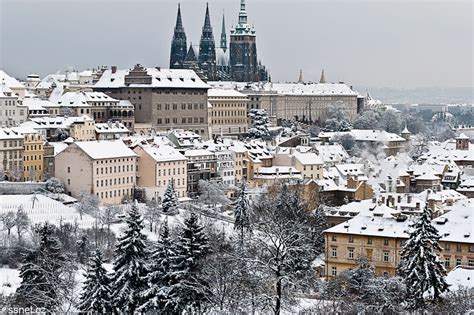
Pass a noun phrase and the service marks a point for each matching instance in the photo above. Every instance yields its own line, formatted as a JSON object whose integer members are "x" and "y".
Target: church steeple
{"x": 178, "y": 44}
{"x": 300, "y": 79}
{"x": 207, "y": 48}
{"x": 323, "y": 77}
{"x": 223, "y": 34}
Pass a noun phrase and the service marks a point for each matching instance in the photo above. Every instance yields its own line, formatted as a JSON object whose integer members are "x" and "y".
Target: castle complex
{"x": 234, "y": 62}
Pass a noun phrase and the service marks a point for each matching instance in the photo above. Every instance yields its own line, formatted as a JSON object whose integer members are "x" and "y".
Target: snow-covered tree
{"x": 318, "y": 223}
{"x": 242, "y": 212}
{"x": 22, "y": 222}
{"x": 8, "y": 221}
{"x": 130, "y": 271}
{"x": 369, "y": 119}
{"x": 61, "y": 134}
{"x": 42, "y": 273}
{"x": 259, "y": 128}
{"x": 155, "y": 296}
{"x": 55, "y": 185}
{"x": 338, "y": 119}
{"x": 188, "y": 290}
{"x": 283, "y": 248}
{"x": 83, "y": 249}
{"x": 170, "y": 199}
{"x": 96, "y": 293}
{"x": 107, "y": 216}
{"x": 420, "y": 266}
{"x": 212, "y": 193}
{"x": 347, "y": 141}
{"x": 88, "y": 204}
{"x": 391, "y": 121}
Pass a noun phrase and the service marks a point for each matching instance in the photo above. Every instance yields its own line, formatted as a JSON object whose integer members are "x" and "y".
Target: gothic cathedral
{"x": 237, "y": 63}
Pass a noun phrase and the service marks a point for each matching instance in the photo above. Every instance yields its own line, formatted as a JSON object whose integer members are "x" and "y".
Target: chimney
{"x": 409, "y": 198}
{"x": 114, "y": 69}
{"x": 399, "y": 199}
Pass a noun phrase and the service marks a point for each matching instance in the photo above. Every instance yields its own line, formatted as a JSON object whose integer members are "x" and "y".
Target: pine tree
{"x": 242, "y": 213}
{"x": 420, "y": 266}
{"x": 42, "y": 284}
{"x": 170, "y": 200}
{"x": 260, "y": 121}
{"x": 159, "y": 276}
{"x": 96, "y": 294}
{"x": 188, "y": 290}
{"x": 130, "y": 271}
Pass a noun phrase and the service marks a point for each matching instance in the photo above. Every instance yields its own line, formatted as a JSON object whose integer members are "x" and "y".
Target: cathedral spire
{"x": 300, "y": 79}
{"x": 207, "y": 48}
{"x": 179, "y": 22}
{"x": 207, "y": 19}
{"x": 223, "y": 34}
{"x": 242, "y": 13}
{"x": 323, "y": 77}
{"x": 178, "y": 44}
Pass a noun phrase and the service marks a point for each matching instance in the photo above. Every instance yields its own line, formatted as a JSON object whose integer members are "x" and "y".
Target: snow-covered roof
{"x": 331, "y": 153}
{"x": 447, "y": 152}
{"x": 163, "y": 153}
{"x": 461, "y": 277}
{"x": 55, "y": 122}
{"x": 323, "y": 89}
{"x": 216, "y": 93}
{"x": 454, "y": 226}
{"x": 10, "y": 81}
{"x": 365, "y": 135}
{"x": 5, "y": 91}
{"x": 197, "y": 152}
{"x": 281, "y": 172}
{"x": 160, "y": 78}
{"x": 83, "y": 99}
{"x": 35, "y": 103}
{"x": 103, "y": 149}
{"x": 308, "y": 158}
{"x": 110, "y": 128}
{"x": 365, "y": 208}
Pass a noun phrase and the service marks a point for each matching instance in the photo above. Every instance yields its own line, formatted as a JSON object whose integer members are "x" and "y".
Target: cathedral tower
{"x": 223, "y": 35}
{"x": 178, "y": 44}
{"x": 243, "y": 50}
{"x": 207, "y": 49}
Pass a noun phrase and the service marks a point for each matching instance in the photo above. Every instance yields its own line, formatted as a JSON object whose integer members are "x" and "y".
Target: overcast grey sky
{"x": 372, "y": 43}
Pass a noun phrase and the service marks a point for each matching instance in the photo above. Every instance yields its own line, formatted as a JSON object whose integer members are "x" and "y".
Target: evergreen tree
{"x": 260, "y": 122}
{"x": 170, "y": 200}
{"x": 82, "y": 246}
{"x": 159, "y": 276}
{"x": 130, "y": 271}
{"x": 188, "y": 290}
{"x": 41, "y": 273}
{"x": 420, "y": 266}
{"x": 96, "y": 294}
{"x": 242, "y": 212}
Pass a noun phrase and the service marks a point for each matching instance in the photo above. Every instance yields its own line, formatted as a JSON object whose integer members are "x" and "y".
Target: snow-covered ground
{"x": 9, "y": 280}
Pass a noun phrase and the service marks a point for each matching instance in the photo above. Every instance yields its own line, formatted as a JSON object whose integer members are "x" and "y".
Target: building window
{"x": 458, "y": 261}
{"x": 447, "y": 246}
{"x": 69, "y": 169}
{"x": 334, "y": 252}
{"x": 458, "y": 247}
{"x": 385, "y": 241}
{"x": 385, "y": 256}
{"x": 334, "y": 271}
{"x": 471, "y": 248}
{"x": 470, "y": 262}
{"x": 447, "y": 260}
{"x": 369, "y": 240}
{"x": 351, "y": 253}
{"x": 333, "y": 237}
{"x": 351, "y": 239}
